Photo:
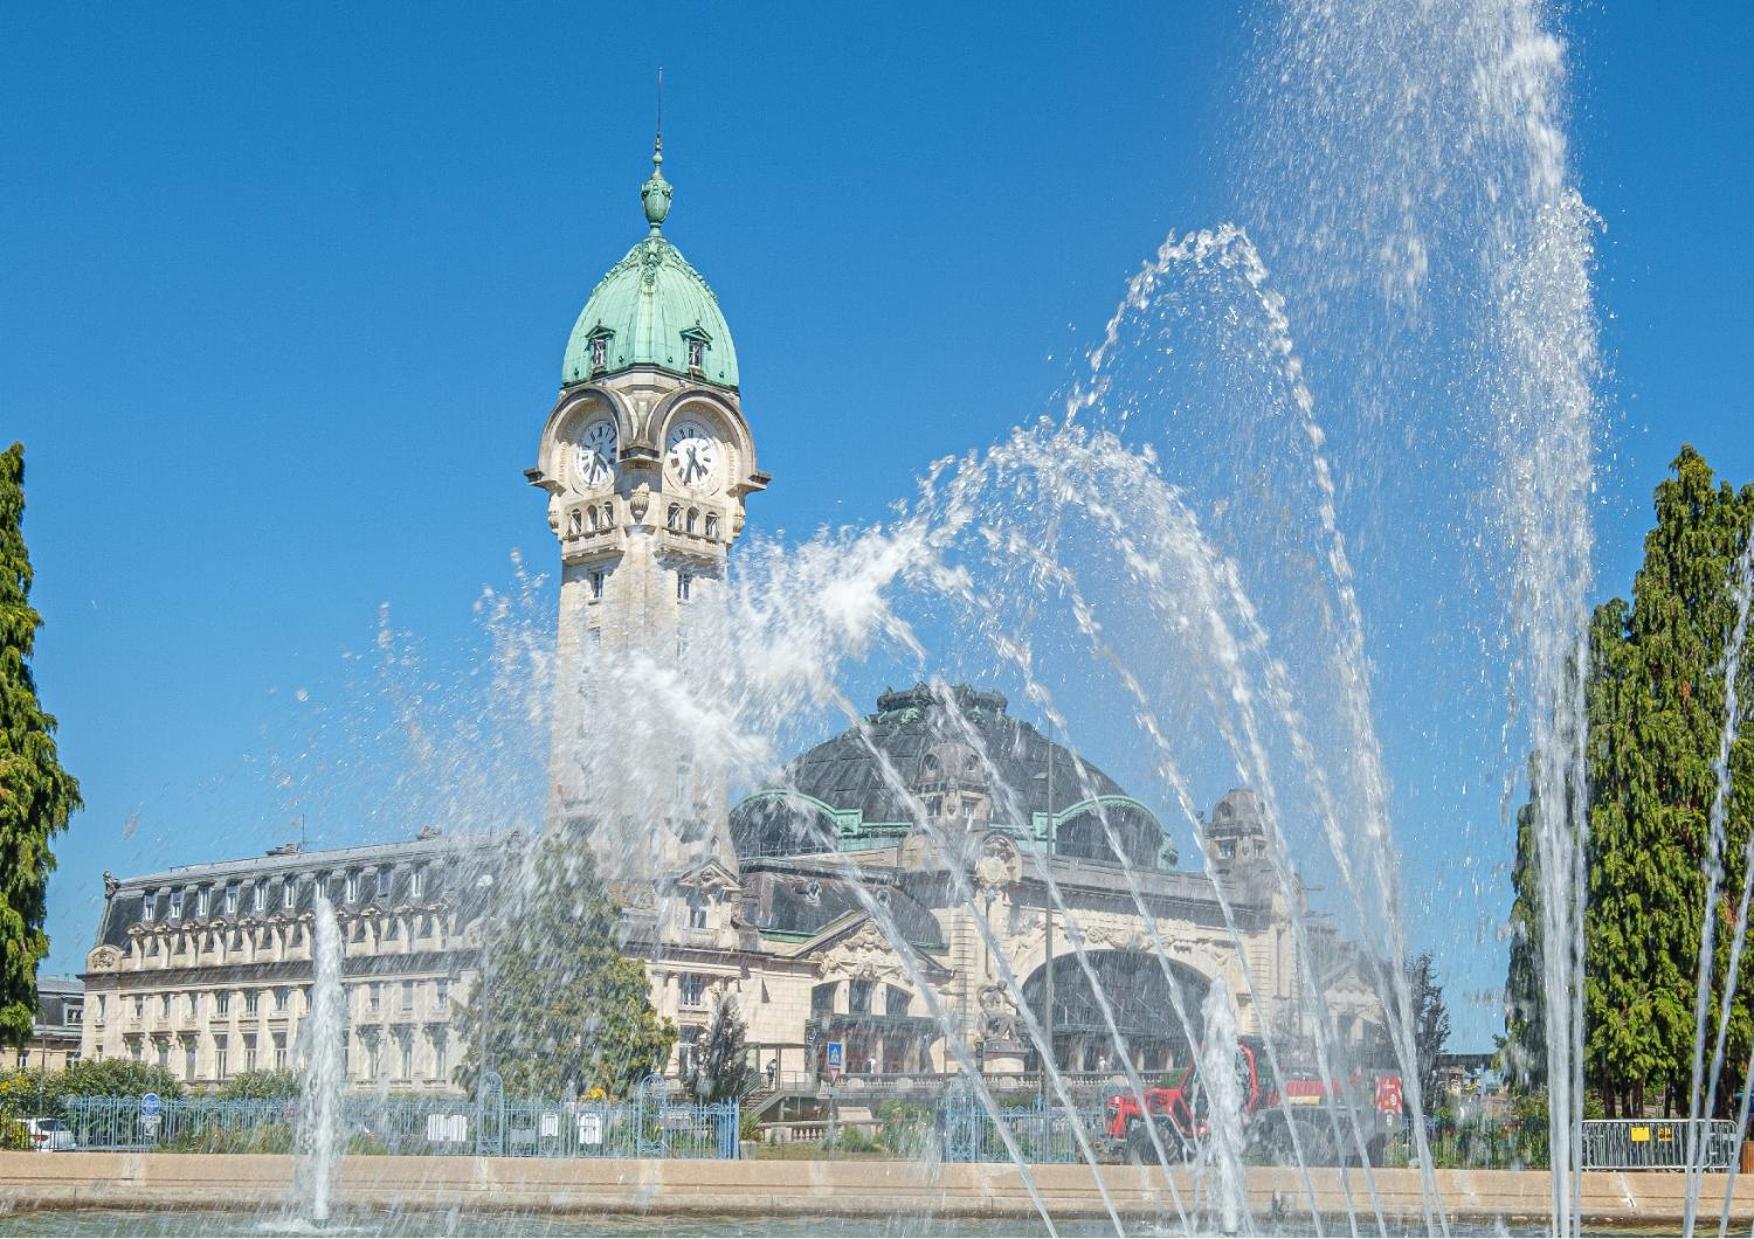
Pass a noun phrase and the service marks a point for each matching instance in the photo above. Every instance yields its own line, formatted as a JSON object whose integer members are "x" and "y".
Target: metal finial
{"x": 655, "y": 193}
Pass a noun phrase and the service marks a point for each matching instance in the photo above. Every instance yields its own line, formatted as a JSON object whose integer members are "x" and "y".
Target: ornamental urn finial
{"x": 655, "y": 193}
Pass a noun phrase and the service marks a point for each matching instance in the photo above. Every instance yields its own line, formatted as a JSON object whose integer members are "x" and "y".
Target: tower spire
{"x": 654, "y": 195}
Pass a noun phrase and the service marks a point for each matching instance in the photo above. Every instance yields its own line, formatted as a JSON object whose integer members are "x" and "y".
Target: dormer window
{"x": 176, "y": 905}
{"x": 147, "y": 904}
{"x": 599, "y": 352}
{"x": 696, "y": 354}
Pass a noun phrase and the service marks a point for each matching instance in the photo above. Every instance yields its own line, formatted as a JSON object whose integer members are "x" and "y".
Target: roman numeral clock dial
{"x": 597, "y": 455}
{"x": 692, "y": 457}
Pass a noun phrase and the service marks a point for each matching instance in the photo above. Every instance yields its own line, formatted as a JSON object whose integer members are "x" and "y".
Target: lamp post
{"x": 1049, "y": 1060}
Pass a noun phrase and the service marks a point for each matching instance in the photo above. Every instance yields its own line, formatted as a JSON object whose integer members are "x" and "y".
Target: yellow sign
{"x": 1640, "y": 1135}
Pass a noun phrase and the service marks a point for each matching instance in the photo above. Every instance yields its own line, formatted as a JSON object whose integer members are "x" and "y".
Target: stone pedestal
{"x": 1004, "y": 1058}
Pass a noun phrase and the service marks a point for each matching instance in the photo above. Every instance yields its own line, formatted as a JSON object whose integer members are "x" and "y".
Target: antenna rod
{"x": 660, "y": 106}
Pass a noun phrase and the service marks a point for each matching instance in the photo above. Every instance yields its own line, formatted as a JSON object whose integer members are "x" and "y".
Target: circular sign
{"x": 150, "y": 1106}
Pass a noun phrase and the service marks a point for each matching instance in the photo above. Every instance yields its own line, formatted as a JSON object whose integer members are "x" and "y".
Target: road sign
{"x": 150, "y": 1106}
{"x": 837, "y": 1059}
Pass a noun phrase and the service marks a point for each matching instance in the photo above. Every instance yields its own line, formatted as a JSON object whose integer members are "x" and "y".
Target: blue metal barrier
{"x": 648, "y": 1126}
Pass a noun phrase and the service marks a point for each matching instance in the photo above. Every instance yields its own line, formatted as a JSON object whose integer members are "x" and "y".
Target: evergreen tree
{"x": 721, "y": 1073}
{"x": 1656, "y": 702}
{"x": 1522, "y": 1051}
{"x": 1431, "y": 1024}
{"x": 559, "y": 1006}
{"x": 36, "y": 795}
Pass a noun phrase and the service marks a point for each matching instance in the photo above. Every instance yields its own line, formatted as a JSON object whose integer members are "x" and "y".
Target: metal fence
{"x": 967, "y": 1132}
{"x": 1658, "y": 1144}
{"x": 651, "y": 1125}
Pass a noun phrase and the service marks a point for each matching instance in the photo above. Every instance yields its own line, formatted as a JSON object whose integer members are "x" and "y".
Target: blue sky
{"x": 286, "y": 289}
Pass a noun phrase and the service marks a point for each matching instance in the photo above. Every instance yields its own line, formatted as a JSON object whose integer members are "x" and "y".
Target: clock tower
{"x": 646, "y": 458}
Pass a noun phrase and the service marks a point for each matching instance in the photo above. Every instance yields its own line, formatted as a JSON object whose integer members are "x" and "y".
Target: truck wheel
{"x": 1139, "y": 1150}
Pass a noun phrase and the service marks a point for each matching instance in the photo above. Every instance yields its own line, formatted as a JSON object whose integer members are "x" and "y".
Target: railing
{"x": 967, "y": 1132}
{"x": 1658, "y": 1144}
{"x": 650, "y": 1126}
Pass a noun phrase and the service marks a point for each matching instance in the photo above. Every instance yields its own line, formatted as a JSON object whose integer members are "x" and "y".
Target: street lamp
{"x": 1049, "y": 1058}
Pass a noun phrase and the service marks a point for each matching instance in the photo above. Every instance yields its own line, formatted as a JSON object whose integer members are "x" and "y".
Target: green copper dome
{"x": 652, "y": 309}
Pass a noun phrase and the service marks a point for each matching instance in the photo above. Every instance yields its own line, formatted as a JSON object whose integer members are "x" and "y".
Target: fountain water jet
{"x": 318, "y": 1136}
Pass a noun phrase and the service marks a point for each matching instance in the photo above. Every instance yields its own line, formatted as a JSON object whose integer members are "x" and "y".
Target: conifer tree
{"x": 721, "y": 1073}
{"x": 559, "y": 1007}
{"x": 36, "y": 795}
{"x": 1656, "y": 703}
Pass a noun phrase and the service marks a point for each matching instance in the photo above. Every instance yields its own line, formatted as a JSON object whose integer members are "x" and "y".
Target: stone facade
{"x": 206, "y": 970}
{"x": 56, "y": 1032}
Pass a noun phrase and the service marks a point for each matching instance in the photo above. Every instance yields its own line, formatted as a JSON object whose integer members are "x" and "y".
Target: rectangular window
{"x": 896, "y": 1001}
{"x": 249, "y": 1053}
{"x": 280, "y": 1051}
{"x": 352, "y": 895}
{"x": 252, "y": 1001}
{"x": 102, "y": 1005}
{"x": 374, "y": 1057}
{"x": 222, "y": 1003}
{"x": 260, "y": 900}
{"x": 164, "y": 1006}
{"x": 596, "y": 579}
{"x": 163, "y": 1051}
{"x": 441, "y": 1066}
{"x": 684, "y": 586}
{"x": 374, "y": 995}
{"x": 139, "y": 1007}
{"x": 203, "y": 900}
{"x": 289, "y": 892}
{"x": 73, "y": 1056}
{"x": 189, "y": 1059}
{"x": 221, "y": 1052}
{"x": 408, "y": 995}
{"x": 73, "y": 1013}
{"x": 383, "y": 882}
{"x": 136, "y": 1051}
{"x": 148, "y": 902}
{"x": 231, "y": 899}
{"x": 279, "y": 999}
{"x": 405, "y": 1043}
{"x": 693, "y": 989}
{"x": 441, "y": 993}
{"x": 859, "y": 997}
{"x": 176, "y": 905}
{"x": 696, "y": 914}
{"x": 417, "y": 882}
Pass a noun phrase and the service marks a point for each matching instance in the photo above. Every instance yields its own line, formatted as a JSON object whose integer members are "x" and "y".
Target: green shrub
{"x": 260, "y": 1085}
{"x": 115, "y": 1077}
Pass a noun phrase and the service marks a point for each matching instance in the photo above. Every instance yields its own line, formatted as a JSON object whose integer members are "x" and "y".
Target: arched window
{"x": 608, "y": 516}
{"x": 694, "y": 520}
{"x": 674, "y": 518}
{"x": 712, "y": 526}
{"x": 576, "y": 522}
{"x": 591, "y": 520}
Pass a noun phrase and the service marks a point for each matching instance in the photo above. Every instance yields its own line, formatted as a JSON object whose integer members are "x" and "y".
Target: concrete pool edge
{"x": 810, "y": 1188}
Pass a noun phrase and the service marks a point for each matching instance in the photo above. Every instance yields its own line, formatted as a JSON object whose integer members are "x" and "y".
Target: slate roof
{"x": 449, "y": 864}
{"x": 790, "y": 899}
{"x": 909, "y": 725}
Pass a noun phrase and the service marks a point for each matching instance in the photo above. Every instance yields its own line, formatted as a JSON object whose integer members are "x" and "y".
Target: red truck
{"x": 1178, "y": 1111}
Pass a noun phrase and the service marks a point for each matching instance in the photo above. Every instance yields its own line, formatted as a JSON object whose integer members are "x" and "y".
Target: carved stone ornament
{"x": 998, "y": 1014}
{"x": 111, "y": 885}
{"x": 866, "y": 955}
{"x": 638, "y": 502}
{"x": 998, "y": 864}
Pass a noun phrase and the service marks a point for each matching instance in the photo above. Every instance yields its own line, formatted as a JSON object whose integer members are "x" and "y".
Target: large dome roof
{"x": 652, "y": 309}
{"x": 836, "y": 796}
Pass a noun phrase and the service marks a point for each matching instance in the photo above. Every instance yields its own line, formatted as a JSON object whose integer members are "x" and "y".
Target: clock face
{"x": 597, "y": 454}
{"x": 692, "y": 456}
